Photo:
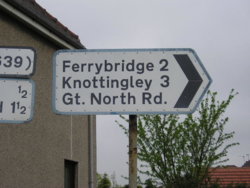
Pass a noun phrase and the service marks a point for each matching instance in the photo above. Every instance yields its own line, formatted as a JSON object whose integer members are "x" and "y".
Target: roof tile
{"x": 230, "y": 175}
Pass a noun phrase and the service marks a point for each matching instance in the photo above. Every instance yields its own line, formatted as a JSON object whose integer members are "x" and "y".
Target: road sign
{"x": 17, "y": 61}
{"x": 128, "y": 81}
{"x": 16, "y": 100}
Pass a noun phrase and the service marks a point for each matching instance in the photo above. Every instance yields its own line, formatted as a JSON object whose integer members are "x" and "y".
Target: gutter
{"x": 38, "y": 27}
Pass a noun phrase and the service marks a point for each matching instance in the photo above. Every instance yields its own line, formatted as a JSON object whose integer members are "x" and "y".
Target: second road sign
{"x": 16, "y": 100}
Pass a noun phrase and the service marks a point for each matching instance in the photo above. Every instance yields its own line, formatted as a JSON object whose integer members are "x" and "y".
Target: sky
{"x": 218, "y": 30}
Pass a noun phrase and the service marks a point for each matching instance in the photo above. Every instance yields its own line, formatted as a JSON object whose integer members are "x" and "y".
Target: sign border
{"x": 125, "y": 50}
{"x": 32, "y": 103}
{"x": 21, "y": 75}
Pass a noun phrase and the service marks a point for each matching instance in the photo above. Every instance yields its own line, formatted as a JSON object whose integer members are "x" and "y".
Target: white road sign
{"x": 16, "y": 100}
{"x": 16, "y": 61}
{"x": 128, "y": 81}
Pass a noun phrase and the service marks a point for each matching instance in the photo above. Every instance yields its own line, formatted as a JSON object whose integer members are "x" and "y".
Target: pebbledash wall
{"x": 36, "y": 154}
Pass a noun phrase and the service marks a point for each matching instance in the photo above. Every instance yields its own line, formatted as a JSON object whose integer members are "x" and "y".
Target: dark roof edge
{"x": 41, "y": 16}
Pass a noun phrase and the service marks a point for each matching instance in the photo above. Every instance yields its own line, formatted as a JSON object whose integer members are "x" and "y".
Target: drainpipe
{"x": 91, "y": 139}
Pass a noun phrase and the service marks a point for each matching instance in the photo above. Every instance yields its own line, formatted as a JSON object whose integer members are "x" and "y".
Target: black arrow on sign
{"x": 194, "y": 81}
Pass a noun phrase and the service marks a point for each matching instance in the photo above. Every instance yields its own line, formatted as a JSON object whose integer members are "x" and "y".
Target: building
{"x": 50, "y": 151}
{"x": 231, "y": 176}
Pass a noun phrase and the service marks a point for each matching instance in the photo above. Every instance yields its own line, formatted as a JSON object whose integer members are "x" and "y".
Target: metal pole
{"x": 132, "y": 151}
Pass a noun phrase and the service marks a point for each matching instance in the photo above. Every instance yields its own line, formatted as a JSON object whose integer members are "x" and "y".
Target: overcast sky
{"x": 218, "y": 30}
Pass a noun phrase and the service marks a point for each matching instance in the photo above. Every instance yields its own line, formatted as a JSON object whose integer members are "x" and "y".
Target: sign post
{"x": 128, "y": 81}
{"x": 133, "y": 151}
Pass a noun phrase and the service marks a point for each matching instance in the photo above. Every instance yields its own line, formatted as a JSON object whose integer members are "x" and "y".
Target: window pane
{"x": 70, "y": 169}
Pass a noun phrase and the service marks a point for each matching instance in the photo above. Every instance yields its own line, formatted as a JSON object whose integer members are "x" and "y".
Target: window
{"x": 70, "y": 174}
